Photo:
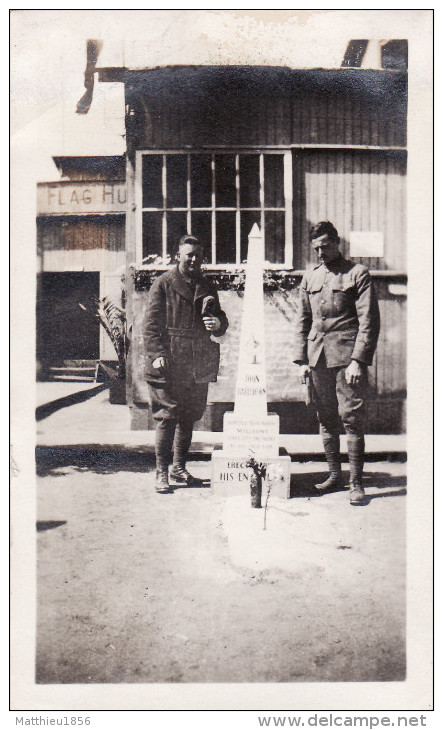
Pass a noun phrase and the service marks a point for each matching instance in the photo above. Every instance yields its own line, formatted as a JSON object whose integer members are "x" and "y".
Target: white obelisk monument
{"x": 250, "y": 430}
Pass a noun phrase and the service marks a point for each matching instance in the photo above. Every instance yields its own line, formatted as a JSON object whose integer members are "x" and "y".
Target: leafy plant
{"x": 258, "y": 467}
{"x": 154, "y": 260}
{"x": 113, "y": 320}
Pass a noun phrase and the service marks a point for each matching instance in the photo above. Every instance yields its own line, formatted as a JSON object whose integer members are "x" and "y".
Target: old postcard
{"x": 221, "y": 292}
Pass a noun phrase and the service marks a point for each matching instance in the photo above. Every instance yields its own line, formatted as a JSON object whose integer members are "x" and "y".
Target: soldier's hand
{"x": 212, "y": 323}
{"x": 354, "y": 373}
{"x": 303, "y": 373}
{"x": 160, "y": 363}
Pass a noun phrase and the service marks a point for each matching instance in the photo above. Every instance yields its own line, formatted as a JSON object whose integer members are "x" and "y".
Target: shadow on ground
{"x": 50, "y": 460}
{"x": 72, "y": 399}
{"x": 302, "y": 484}
{"x": 42, "y": 525}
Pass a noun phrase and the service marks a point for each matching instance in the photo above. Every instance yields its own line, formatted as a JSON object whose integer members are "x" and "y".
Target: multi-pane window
{"x": 217, "y": 197}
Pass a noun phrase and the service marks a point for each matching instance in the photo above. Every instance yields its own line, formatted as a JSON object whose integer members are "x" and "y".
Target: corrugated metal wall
{"x": 388, "y": 375}
{"x": 106, "y": 168}
{"x": 390, "y": 359}
{"x": 357, "y": 190}
{"x": 92, "y": 244}
{"x": 172, "y": 108}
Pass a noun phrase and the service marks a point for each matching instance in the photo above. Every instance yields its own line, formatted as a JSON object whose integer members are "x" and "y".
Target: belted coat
{"x": 174, "y": 329}
{"x": 337, "y": 314}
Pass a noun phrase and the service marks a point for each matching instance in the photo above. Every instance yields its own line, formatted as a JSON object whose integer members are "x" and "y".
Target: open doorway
{"x": 65, "y": 332}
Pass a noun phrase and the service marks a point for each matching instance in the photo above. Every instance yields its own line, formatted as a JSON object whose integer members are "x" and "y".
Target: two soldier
{"x": 336, "y": 331}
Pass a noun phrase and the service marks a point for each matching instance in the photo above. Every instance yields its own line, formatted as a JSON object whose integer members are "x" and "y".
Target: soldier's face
{"x": 190, "y": 257}
{"x": 326, "y": 248}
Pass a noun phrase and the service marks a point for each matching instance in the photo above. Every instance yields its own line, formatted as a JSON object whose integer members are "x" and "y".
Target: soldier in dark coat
{"x": 183, "y": 312}
{"x": 337, "y": 327}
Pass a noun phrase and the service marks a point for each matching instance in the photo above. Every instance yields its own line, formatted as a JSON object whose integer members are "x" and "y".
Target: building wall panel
{"x": 92, "y": 260}
{"x": 357, "y": 191}
{"x": 74, "y": 244}
{"x": 251, "y": 106}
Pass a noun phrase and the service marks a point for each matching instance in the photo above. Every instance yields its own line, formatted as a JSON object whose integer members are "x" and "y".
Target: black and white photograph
{"x": 221, "y": 238}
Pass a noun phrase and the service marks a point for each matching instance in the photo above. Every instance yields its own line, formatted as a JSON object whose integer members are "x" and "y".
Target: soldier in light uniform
{"x": 337, "y": 327}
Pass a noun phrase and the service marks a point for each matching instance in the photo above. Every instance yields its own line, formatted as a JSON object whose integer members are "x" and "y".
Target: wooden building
{"x": 211, "y": 150}
{"x": 81, "y": 254}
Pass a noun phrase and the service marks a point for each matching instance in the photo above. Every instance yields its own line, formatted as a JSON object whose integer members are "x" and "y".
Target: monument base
{"x": 230, "y": 475}
{"x": 251, "y": 434}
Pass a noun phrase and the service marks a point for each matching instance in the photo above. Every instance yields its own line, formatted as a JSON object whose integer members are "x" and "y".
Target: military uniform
{"x": 338, "y": 321}
{"x": 174, "y": 329}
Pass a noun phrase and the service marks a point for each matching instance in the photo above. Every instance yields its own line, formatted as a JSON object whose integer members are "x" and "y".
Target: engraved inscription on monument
{"x": 250, "y": 430}
{"x": 257, "y": 436}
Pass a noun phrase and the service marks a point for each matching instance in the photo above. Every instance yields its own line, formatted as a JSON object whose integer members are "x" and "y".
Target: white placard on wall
{"x": 366, "y": 243}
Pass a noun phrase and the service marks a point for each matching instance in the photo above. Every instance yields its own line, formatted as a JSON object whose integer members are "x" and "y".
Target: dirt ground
{"x": 139, "y": 587}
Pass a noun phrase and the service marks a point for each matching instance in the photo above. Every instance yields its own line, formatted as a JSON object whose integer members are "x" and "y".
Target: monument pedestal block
{"x": 252, "y": 435}
{"x": 230, "y": 475}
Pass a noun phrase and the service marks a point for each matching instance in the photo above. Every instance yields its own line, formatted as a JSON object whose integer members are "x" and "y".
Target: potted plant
{"x": 112, "y": 317}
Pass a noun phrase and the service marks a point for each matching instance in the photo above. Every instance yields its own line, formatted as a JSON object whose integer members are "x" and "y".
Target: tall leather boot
{"x": 356, "y": 456}
{"x": 331, "y": 445}
{"x": 179, "y": 475}
{"x": 164, "y": 436}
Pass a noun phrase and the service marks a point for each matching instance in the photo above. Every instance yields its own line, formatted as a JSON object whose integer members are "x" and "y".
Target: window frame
{"x": 286, "y": 153}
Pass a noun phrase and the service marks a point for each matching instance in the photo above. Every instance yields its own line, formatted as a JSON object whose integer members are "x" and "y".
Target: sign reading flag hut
{"x": 250, "y": 430}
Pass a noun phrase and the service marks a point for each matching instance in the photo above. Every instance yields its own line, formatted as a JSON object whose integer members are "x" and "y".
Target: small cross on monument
{"x": 250, "y": 430}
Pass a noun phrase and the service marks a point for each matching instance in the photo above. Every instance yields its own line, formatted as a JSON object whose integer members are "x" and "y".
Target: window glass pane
{"x": 152, "y": 181}
{"x": 275, "y": 237}
{"x": 225, "y": 237}
{"x": 176, "y": 228}
{"x": 274, "y": 187}
{"x": 176, "y": 177}
{"x": 225, "y": 194}
{"x": 201, "y": 181}
{"x": 249, "y": 181}
{"x": 152, "y": 234}
{"x": 247, "y": 220}
{"x": 201, "y": 228}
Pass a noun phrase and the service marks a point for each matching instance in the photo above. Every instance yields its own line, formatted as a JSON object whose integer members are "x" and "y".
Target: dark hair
{"x": 189, "y": 239}
{"x": 322, "y": 229}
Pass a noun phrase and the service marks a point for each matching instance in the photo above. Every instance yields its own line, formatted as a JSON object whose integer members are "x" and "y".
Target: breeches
{"x": 336, "y": 401}
{"x": 180, "y": 402}
{"x": 175, "y": 409}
